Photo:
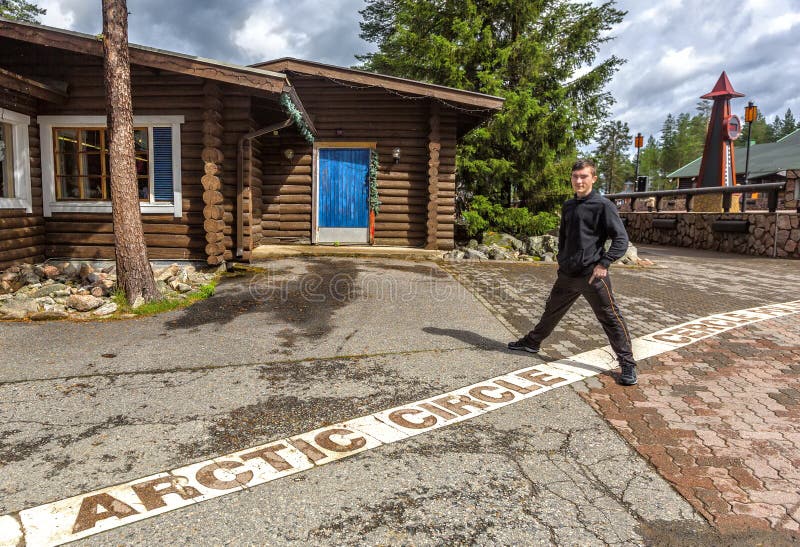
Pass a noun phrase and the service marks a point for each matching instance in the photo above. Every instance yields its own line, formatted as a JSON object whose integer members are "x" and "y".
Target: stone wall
{"x": 695, "y": 230}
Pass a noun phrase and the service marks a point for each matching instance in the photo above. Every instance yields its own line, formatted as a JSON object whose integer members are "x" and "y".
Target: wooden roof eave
{"x": 402, "y": 85}
{"x": 262, "y": 80}
{"x": 28, "y": 86}
{"x": 303, "y": 112}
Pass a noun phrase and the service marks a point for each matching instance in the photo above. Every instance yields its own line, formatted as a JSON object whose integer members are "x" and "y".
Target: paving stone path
{"x": 717, "y": 419}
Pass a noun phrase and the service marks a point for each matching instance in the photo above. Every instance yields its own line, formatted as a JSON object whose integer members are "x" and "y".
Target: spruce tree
{"x": 788, "y": 125}
{"x": 669, "y": 151}
{"x": 21, "y": 10}
{"x": 614, "y": 166}
{"x": 775, "y": 129}
{"x": 530, "y": 52}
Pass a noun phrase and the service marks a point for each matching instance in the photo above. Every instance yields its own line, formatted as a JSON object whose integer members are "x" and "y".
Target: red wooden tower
{"x": 718, "y": 167}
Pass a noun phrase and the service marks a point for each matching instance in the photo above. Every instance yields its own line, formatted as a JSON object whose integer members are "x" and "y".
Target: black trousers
{"x": 565, "y": 292}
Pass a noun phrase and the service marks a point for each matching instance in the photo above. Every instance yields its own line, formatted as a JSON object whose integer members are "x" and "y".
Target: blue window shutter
{"x": 162, "y": 163}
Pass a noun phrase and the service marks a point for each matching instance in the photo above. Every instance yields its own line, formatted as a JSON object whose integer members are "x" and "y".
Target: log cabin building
{"x": 228, "y": 157}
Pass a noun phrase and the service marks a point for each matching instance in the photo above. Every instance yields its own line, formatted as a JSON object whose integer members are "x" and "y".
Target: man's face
{"x": 582, "y": 181}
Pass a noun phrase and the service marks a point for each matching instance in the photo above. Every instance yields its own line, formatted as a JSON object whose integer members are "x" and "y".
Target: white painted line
{"x": 10, "y": 531}
{"x": 87, "y": 514}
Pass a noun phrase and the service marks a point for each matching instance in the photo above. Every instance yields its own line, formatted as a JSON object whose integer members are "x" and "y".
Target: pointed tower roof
{"x": 723, "y": 88}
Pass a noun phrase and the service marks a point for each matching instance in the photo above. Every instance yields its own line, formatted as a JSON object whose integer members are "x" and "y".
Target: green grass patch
{"x": 169, "y": 304}
{"x": 166, "y": 303}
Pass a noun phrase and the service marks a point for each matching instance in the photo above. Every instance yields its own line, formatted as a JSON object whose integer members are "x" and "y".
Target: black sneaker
{"x": 522, "y": 345}
{"x": 628, "y": 376}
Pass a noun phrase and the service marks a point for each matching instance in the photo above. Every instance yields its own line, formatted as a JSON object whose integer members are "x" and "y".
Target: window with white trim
{"x": 75, "y": 164}
{"x": 15, "y": 178}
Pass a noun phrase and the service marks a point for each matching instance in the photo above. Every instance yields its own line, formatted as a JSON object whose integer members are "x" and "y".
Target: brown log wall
{"x": 286, "y": 198}
{"x": 89, "y": 235}
{"x": 341, "y": 113}
{"x": 22, "y": 234}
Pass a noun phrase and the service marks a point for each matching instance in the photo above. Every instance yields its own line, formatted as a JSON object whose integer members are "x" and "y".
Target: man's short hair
{"x": 582, "y": 164}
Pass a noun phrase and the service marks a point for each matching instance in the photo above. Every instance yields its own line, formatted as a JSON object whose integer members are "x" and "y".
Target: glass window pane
{"x": 6, "y": 163}
{"x": 93, "y": 188}
{"x": 66, "y": 141}
{"x": 144, "y": 188}
{"x": 68, "y": 188}
{"x": 90, "y": 140}
{"x": 140, "y": 141}
{"x": 67, "y": 164}
{"x": 91, "y": 165}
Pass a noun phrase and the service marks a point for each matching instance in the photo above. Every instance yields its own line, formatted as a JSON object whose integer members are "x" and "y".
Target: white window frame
{"x": 51, "y": 205}
{"x": 21, "y": 157}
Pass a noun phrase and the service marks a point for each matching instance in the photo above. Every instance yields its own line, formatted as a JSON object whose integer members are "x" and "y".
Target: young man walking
{"x": 587, "y": 221}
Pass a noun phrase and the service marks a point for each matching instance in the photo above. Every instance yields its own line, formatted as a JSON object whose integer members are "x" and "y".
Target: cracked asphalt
{"x": 312, "y": 342}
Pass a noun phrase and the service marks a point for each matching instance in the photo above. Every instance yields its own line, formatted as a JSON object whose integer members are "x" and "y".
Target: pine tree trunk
{"x": 134, "y": 274}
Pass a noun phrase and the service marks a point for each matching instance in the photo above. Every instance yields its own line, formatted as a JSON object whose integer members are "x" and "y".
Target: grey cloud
{"x": 205, "y": 28}
{"x": 646, "y": 94}
{"x": 765, "y": 70}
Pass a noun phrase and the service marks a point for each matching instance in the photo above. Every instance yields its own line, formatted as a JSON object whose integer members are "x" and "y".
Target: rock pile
{"x": 497, "y": 246}
{"x": 57, "y": 291}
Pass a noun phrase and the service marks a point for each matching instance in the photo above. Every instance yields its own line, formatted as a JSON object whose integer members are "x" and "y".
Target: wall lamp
{"x": 288, "y": 153}
{"x": 396, "y": 155}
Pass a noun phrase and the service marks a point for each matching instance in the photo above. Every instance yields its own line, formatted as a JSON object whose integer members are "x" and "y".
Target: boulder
{"x": 18, "y": 308}
{"x": 550, "y": 243}
{"x": 539, "y": 245}
{"x": 85, "y": 270}
{"x": 497, "y": 252}
{"x": 473, "y": 244}
{"x": 28, "y": 278}
{"x": 503, "y": 240}
{"x": 106, "y": 309}
{"x": 534, "y": 246}
{"x": 49, "y": 290}
{"x": 69, "y": 271}
{"x": 183, "y": 287}
{"x": 138, "y": 302}
{"x": 85, "y": 302}
{"x": 99, "y": 292}
{"x": 631, "y": 256}
{"x": 49, "y": 315}
{"x": 472, "y": 254}
{"x": 455, "y": 254}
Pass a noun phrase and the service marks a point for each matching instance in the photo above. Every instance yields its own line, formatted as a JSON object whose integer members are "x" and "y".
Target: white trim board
{"x": 20, "y": 154}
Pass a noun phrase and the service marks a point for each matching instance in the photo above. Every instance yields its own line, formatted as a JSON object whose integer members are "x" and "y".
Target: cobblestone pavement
{"x": 717, "y": 419}
{"x": 683, "y": 285}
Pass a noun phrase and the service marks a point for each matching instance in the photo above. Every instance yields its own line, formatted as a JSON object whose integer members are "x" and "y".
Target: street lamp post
{"x": 638, "y": 142}
{"x": 750, "y": 114}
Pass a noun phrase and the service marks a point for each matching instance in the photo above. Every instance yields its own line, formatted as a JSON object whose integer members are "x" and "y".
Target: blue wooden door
{"x": 343, "y": 188}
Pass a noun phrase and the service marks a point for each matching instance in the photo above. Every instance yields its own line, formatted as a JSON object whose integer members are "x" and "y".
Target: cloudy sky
{"x": 676, "y": 49}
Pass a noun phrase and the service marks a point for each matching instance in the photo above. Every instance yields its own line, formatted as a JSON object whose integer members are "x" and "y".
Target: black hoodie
{"x": 586, "y": 224}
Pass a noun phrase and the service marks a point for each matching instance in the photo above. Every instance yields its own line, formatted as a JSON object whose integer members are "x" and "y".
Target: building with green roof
{"x": 768, "y": 162}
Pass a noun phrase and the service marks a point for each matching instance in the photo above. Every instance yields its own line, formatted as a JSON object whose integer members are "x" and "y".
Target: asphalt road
{"x": 309, "y": 343}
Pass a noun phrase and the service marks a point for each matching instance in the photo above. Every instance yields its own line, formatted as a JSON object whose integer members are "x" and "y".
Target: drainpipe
{"x": 240, "y": 178}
